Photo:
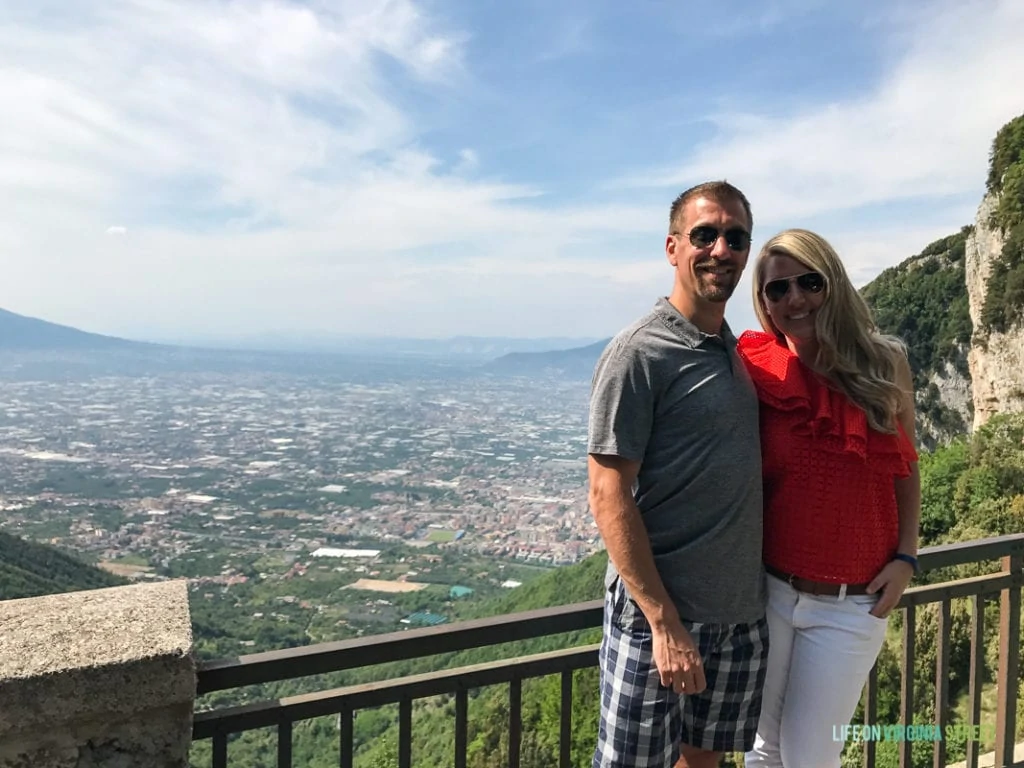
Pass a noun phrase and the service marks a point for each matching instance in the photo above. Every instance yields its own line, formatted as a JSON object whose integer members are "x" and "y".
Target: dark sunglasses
{"x": 808, "y": 282}
{"x": 737, "y": 238}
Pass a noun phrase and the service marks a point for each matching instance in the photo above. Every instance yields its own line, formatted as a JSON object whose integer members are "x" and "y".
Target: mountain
{"x": 924, "y": 301}
{"x": 29, "y": 333}
{"x": 28, "y": 569}
{"x": 959, "y": 306}
{"x": 576, "y": 363}
{"x": 469, "y": 349}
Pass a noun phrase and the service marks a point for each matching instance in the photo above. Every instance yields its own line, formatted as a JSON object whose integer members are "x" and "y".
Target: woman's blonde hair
{"x": 853, "y": 354}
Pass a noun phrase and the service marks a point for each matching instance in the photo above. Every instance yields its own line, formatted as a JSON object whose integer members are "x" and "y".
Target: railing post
{"x": 461, "y": 717}
{"x": 345, "y": 736}
{"x": 1009, "y": 665}
{"x": 941, "y": 680}
{"x": 907, "y": 683}
{"x": 565, "y": 728}
{"x": 870, "y": 713}
{"x": 976, "y": 675}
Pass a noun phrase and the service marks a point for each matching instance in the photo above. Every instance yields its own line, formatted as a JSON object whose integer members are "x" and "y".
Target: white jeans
{"x": 820, "y": 651}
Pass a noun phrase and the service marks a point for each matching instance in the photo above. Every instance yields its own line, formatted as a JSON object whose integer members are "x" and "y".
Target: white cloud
{"x": 272, "y": 169}
{"x": 924, "y": 131}
{"x": 263, "y": 154}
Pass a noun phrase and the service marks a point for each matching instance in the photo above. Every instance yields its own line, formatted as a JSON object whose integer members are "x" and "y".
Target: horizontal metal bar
{"x": 989, "y": 584}
{"x": 974, "y": 551}
{"x": 291, "y": 663}
{"x": 293, "y": 708}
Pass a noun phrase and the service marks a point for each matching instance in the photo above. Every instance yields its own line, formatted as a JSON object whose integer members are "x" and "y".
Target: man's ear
{"x": 671, "y": 244}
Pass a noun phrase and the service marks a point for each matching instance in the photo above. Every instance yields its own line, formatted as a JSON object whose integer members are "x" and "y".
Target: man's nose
{"x": 720, "y": 250}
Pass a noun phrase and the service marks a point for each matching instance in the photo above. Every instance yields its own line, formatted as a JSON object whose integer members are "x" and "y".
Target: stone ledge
{"x": 96, "y": 670}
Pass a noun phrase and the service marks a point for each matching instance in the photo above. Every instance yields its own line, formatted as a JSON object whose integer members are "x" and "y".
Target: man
{"x": 675, "y": 488}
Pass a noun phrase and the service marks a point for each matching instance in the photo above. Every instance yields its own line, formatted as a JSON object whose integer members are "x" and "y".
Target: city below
{"x": 380, "y": 483}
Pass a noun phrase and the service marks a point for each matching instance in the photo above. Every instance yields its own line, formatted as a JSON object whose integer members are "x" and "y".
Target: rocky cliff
{"x": 995, "y": 282}
{"x": 959, "y": 306}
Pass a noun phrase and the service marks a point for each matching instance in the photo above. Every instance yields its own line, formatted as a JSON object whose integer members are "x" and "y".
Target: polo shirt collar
{"x": 686, "y": 330}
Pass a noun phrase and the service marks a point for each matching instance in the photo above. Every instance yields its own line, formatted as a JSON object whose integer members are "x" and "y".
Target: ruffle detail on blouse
{"x": 825, "y": 415}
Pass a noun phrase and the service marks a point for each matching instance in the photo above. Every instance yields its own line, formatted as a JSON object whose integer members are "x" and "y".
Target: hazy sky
{"x": 182, "y": 169}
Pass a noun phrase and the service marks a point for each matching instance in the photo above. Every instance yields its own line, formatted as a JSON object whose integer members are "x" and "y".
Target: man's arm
{"x": 618, "y": 521}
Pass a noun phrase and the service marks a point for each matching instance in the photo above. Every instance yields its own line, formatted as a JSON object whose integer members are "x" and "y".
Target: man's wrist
{"x": 663, "y": 618}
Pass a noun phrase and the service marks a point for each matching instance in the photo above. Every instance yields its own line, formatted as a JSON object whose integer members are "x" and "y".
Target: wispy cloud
{"x": 261, "y": 153}
{"x": 922, "y": 132}
{"x": 281, "y": 166}
{"x": 246, "y": 98}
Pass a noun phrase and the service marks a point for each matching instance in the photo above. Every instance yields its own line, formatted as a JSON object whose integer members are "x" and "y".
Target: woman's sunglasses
{"x": 808, "y": 282}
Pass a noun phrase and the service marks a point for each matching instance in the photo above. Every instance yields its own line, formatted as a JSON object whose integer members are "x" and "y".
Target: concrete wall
{"x": 97, "y": 678}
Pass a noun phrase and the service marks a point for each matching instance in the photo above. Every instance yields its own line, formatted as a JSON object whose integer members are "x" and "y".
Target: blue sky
{"x": 176, "y": 169}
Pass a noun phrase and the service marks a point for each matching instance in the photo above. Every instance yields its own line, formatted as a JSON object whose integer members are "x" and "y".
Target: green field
{"x": 441, "y": 537}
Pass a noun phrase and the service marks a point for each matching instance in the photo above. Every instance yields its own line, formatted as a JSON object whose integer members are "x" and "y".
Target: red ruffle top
{"x": 829, "y": 498}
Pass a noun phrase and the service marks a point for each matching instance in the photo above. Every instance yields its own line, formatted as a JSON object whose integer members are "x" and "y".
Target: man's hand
{"x": 618, "y": 520}
{"x": 678, "y": 660}
{"x": 892, "y": 580}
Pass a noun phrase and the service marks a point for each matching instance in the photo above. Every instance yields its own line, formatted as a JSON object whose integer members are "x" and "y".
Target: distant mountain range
{"x": 18, "y": 332}
{"x": 576, "y": 362}
{"x": 469, "y": 349}
{"x": 29, "y": 333}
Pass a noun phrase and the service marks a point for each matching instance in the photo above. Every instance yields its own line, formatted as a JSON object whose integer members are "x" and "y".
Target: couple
{"x": 694, "y": 438}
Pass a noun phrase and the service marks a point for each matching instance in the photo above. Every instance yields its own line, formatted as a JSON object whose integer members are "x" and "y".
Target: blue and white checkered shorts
{"x": 643, "y": 723}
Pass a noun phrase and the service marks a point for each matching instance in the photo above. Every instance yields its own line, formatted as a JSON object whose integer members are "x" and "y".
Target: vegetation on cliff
{"x": 924, "y": 301}
{"x": 1004, "y": 298}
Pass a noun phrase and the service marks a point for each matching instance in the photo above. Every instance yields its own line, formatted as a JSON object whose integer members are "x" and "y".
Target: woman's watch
{"x": 907, "y": 559}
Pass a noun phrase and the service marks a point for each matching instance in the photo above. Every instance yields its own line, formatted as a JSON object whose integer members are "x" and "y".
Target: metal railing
{"x": 219, "y": 724}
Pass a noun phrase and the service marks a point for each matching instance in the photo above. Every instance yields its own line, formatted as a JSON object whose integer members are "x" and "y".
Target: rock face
{"x": 950, "y": 389}
{"x": 923, "y": 301}
{"x": 996, "y": 359}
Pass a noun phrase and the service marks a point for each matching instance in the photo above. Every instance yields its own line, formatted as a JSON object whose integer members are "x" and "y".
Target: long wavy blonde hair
{"x": 857, "y": 359}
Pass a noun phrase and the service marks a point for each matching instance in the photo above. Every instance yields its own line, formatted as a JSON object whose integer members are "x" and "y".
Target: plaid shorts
{"x": 643, "y": 723}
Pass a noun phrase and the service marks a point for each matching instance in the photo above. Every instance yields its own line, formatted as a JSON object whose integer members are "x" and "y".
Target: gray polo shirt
{"x": 681, "y": 402}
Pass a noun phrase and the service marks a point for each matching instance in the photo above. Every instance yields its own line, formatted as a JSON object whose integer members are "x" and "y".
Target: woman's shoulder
{"x": 780, "y": 378}
{"x": 762, "y": 350}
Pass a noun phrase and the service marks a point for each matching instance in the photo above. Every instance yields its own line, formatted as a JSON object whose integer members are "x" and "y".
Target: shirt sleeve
{"x": 621, "y": 402}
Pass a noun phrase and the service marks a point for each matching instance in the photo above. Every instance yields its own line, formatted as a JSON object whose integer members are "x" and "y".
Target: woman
{"x": 842, "y": 493}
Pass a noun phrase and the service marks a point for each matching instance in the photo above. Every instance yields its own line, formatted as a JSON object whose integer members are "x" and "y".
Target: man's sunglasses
{"x": 737, "y": 238}
{"x": 808, "y": 282}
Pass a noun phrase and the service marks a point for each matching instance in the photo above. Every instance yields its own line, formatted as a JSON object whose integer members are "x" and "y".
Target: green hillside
{"x": 923, "y": 301}
{"x": 28, "y": 569}
{"x": 315, "y": 742}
